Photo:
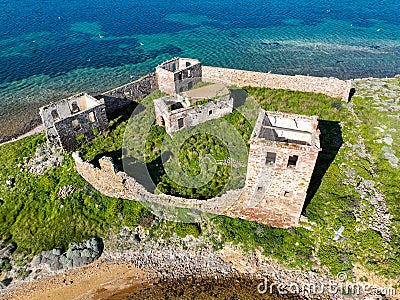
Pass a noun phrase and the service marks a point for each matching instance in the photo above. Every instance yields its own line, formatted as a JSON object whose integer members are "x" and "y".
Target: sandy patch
{"x": 95, "y": 281}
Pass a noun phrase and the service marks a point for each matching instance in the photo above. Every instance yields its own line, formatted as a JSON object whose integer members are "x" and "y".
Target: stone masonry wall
{"x": 112, "y": 183}
{"x": 329, "y": 86}
{"x": 277, "y": 185}
{"x": 188, "y": 78}
{"x": 196, "y": 114}
{"x": 178, "y": 81}
{"x": 165, "y": 81}
{"x": 122, "y": 96}
{"x": 89, "y": 129}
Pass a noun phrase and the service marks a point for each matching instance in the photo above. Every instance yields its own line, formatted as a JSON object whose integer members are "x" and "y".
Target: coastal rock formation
{"x": 78, "y": 254}
{"x": 7, "y": 250}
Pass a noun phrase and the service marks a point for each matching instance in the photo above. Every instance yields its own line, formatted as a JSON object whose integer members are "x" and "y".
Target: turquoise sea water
{"x": 51, "y": 49}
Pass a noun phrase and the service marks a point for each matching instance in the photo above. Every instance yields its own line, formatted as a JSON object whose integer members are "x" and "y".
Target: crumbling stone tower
{"x": 283, "y": 152}
{"x": 74, "y": 120}
{"x": 178, "y": 75}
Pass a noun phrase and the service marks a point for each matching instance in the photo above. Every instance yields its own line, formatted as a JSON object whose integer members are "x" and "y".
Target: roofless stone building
{"x": 74, "y": 120}
{"x": 283, "y": 152}
{"x": 193, "y": 107}
{"x": 283, "y": 147}
{"x": 178, "y": 75}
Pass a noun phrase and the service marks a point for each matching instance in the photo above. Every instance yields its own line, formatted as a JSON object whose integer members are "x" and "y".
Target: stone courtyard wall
{"x": 235, "y": 204}
{"x": 332, "y": 87}
{"x": 119, "y": 97}
{"x": 122, "y": 96}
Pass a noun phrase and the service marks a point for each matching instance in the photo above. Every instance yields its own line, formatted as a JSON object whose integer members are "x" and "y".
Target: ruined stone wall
{"x": 179, "y": 81}
{"x": 79, "y": 115}
{"x": 112, "y": 183}
{"x": 279, "y": 172}
{"x": 165, "y": 81}
{"x": 187, "y": 78}
{"x": 196, "y": 114}
{"x": 329, "y": 86}
{"x": 81, "y": 124}
{"x": 236, "y": 204}
{"x": 122, "y": 96}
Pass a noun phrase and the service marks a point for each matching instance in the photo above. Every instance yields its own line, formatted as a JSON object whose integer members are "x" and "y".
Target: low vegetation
{"x": 35, "y": 218}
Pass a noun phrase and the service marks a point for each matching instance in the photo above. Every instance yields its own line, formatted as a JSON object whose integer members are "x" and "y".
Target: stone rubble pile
{"x": 66, "y": 191}
{"x": 45, "y": 158}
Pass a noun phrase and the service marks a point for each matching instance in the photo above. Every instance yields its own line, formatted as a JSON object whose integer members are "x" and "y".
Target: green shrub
{"x": 80, "y": 138}
{"x": 96, "y": 131}
{"x": 184, "y": 229}
{"x": 330, "y": 256}
{"x": 5, "y": 265}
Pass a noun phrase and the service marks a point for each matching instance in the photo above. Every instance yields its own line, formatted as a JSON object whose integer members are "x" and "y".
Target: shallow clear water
{"x": 50, "y": 49}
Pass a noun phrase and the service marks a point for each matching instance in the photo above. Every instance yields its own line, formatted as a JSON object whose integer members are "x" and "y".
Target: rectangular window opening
{"x": 210, "y": 112}
{"x": 75, "y": 107}
{"x": 259, "y": 189}
{"x": 92, "y": 117}
{"x": 180, "y": 122}
{"x": 271, "y": 158}
{"x": 292, "y": 162}
{"x": 76, "y": 125}
{"x": 55, "y": 115}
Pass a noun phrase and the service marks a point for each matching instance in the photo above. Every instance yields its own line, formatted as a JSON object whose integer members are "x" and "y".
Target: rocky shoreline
{"x": 183, "y": 266}
{"x": 19, "y": 126}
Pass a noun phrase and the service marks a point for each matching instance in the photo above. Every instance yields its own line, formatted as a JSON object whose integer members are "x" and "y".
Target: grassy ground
{"x": 355, "y": 157}
{"x": 32, "y": 215}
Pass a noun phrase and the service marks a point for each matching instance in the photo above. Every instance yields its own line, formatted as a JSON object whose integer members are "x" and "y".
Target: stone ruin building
{"x": 283, "y": 147}
{"x": 74, "y": 120}
{"x": 178, "y": 75}
{"x": 283, "y": 152}
{"x": 193, "y": 107}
